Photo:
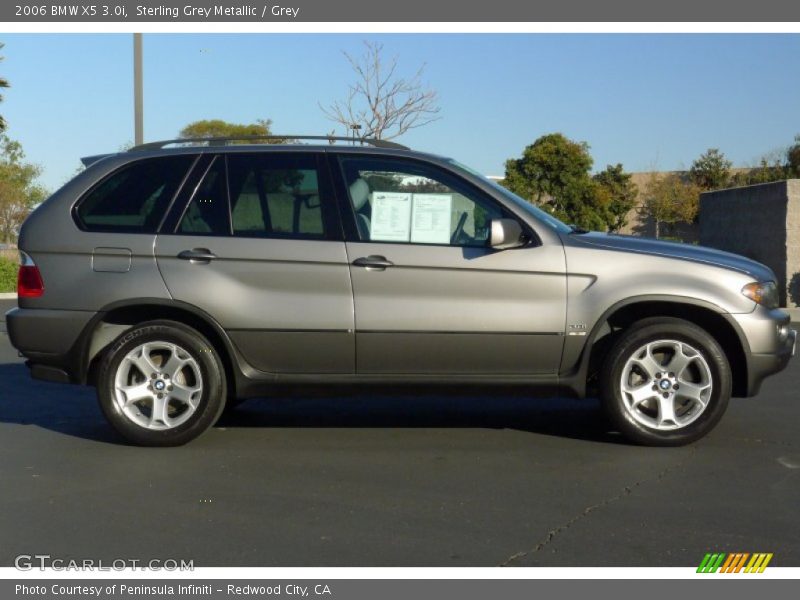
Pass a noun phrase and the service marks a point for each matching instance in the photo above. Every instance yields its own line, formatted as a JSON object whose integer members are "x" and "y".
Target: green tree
{"x": 793, "y": 158}
{"x": 776, "y": 165}
{"x": 590, "y": 207}
{"x": 711, "y": 170}
{"x": 3, "y": 85}
{"x": 620, "y": 195}
{"x": 19, "y": 190}
{"x": 669, "y": 199}
{"x": 553, "y": 173}
{"x": 219, "y": 128}
{"x": 766, "y": 172}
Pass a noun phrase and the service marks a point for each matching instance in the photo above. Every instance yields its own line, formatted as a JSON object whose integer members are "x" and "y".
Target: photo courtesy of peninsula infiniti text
{"x": 182, "y": 276}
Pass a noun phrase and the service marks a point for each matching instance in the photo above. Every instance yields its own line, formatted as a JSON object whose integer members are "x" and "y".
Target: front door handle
{"x": 200, "y": 255}
{"x": 373, "y": 261}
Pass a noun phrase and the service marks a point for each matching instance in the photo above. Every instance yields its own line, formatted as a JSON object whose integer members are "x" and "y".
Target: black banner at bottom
{"x": 405, "y": 589}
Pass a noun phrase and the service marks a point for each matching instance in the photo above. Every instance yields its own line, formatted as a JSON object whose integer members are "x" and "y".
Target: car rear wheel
{"x": 666, "y": 382}
{"x": 161, "y": 384}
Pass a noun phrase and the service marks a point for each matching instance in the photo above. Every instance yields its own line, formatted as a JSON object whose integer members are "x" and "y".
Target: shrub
{"x": 8, "y": 275}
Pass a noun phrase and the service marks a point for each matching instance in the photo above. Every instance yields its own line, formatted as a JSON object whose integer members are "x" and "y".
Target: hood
{"x": 700, "y": 254}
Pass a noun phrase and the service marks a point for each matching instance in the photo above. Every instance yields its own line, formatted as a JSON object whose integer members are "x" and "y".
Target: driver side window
{"x": 407, "y": 202}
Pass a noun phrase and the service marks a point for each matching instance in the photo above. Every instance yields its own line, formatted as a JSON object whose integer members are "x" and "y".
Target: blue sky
{"x": 643, "y": 100}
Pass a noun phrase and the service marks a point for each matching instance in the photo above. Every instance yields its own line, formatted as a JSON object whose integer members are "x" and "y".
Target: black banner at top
{"x": 471, "y": 11}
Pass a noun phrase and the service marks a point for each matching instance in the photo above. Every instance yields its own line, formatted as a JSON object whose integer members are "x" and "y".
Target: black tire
{"x": 629, "y": 420}
{"x": 209, "y": 399}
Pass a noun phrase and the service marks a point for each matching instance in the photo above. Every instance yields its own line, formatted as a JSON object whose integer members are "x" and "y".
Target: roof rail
{"x": 224, "y": 141}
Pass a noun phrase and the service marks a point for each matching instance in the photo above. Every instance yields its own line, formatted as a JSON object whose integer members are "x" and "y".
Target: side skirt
{"x": 339, "y": 384}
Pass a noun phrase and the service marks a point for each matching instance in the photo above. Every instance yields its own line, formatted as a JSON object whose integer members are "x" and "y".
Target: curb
{"x": 8, "y": 296}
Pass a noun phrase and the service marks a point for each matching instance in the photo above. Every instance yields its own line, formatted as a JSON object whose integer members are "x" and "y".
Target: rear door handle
{"x": 374, "y": 261}
{"x": 197, "y": 255}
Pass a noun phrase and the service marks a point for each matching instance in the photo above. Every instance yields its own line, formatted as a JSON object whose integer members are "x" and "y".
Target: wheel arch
{"x": 120, "y": 316}
{"x": 704, "y": 314}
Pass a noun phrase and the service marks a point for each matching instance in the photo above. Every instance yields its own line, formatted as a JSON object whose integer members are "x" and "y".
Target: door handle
{"x": 373, "y": 261}
{"x": 197, "y": 255}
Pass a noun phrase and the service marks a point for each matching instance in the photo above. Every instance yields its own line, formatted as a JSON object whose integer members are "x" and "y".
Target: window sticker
{"x": 391, "y": 217}
{"x": 430, "y": 220}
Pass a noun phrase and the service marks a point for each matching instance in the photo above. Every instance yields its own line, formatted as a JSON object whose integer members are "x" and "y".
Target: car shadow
{"x": 73, "y": 410}
{"x": 561, "y": 417}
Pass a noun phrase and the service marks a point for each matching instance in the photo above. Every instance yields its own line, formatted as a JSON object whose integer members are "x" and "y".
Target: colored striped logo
{"x": 736, "y": 562}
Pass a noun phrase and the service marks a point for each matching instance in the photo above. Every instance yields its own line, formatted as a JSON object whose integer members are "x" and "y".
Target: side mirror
{"x": 505, "y": 234}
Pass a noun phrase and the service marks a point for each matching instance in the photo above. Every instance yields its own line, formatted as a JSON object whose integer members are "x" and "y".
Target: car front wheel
{"x": 161, "y": 384}
{"x": 666, "y": 382}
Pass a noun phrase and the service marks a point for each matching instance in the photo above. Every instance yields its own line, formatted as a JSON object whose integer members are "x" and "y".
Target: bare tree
{"x": 380, "y": 104}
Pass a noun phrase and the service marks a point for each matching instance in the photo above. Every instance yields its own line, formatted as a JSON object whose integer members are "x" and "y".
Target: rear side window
{"x": 275, "y": 196}
{"x": 135, "y": 198}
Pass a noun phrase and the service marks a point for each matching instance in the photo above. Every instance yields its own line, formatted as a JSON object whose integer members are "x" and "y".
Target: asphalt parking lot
{"x": 395, "y": 481}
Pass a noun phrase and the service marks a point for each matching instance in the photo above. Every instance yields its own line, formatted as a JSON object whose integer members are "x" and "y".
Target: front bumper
{"x": 770, "y": 344}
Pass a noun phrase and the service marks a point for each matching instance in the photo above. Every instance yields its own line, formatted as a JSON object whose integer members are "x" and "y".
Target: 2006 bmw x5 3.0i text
{"x": 178, "y": 278}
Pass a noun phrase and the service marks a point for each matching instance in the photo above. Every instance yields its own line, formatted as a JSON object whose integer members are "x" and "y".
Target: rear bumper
{"x": 48, "y": 339}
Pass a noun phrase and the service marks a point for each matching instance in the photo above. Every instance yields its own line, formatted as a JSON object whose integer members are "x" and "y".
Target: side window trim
{"x": 262, "y": 199}
{"x": 226, "y": 173}
{"x": 329, "y": 201}
{"x": 341, "y": 197}
{"x": 178, "y": 192}
{"x": 181, "y": 201}
{"x": 204, "y": 173}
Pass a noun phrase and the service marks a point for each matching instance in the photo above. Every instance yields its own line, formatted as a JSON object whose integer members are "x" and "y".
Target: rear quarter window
{"x": 135, "y": 198}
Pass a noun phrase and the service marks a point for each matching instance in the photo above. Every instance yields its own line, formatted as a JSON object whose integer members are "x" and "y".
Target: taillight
{"x": 29, "y": 279}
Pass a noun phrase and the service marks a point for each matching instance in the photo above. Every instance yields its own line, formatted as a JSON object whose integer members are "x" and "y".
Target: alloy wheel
{"x": 158, "y": 385}
{"x": 666, "y": 384}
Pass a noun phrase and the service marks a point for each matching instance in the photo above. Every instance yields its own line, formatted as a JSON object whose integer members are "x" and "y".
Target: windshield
{"x": 524, "y": 205}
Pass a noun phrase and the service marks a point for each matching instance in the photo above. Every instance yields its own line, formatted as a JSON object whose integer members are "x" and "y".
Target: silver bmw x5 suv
{"x": 180, "y": 278}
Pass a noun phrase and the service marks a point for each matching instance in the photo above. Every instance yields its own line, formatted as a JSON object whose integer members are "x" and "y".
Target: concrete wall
{"x": 640, "y": 223}
{"x": 793, "y": 242}
{"x": 761, "y": 222}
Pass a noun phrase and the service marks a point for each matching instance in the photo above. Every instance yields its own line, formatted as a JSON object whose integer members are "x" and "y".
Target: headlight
{"x": 765, "y": 294}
